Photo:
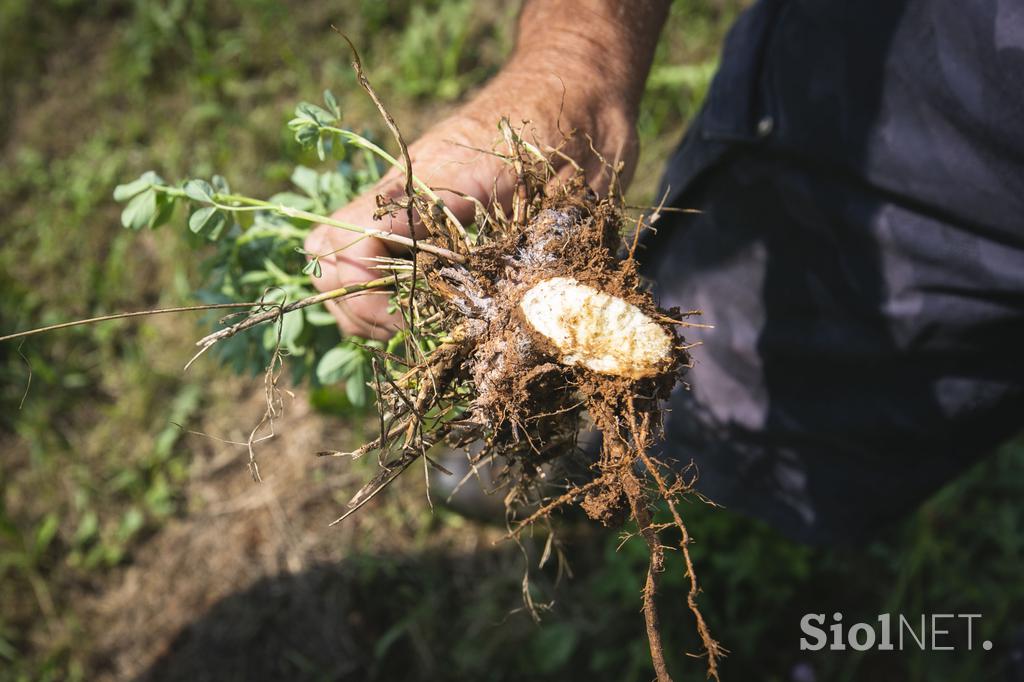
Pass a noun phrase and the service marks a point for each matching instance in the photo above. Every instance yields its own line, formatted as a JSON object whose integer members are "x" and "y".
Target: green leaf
{"x": 355, "y": 385}
{"x": 123, "y": 480}
{"x": 313, "y": 268}
{"x": 332, "y": 103}
{"x": 216, "y": 227}
{"x": 46, "y": 532}
{"x": 137, "y": 186}
{"x": 141, "y": 211}
{"x": 335, "y": 190}
{"x": 282, "y": 277}
{"x": 270, "y": 337}
{"x": 254, "y": 277}
{"x": 220, "y": 185}
{"x": 318, "y": 317}
{"x": 314, "y": 113}
{"x": 158, "y": 498}
{"x": 307, "y": 135}
{"x": 306, "y": 179}
{"x": 323, "y": 147}
{"x": 164, "y": 209}
{"x": 199, "y": 190}
{"x": 88, "y": 527}
{"x": 336, "y": 364}
{"x": 203, "y": 217}
{"x": 131, "y": 523}
{"x": 291, "y": 329}
{"x": 394, "y": 346}
{"x": 303, "y": 115}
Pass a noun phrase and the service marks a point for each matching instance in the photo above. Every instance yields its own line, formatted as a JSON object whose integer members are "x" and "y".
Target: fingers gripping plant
{"x": 517, "y": 328}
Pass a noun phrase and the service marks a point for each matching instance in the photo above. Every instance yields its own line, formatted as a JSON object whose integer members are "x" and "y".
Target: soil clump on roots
{"x": 545, "y": 328}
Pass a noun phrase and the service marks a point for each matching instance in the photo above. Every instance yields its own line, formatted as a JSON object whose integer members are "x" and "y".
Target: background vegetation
{"x": 131, "y": 549}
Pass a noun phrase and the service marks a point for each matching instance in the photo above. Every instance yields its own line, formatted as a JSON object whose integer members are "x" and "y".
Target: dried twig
{"x": 119, "y": 316}
{"x": 278, "y": 310}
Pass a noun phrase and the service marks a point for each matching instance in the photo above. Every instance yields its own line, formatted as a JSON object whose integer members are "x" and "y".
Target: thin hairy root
{"x": 650, "y": 604}
{"x": 277, "y": 311}
{"x": 560, "y": 501}
{"x": 381, "y": 481}
{"x": 712, "y": 649}
{"x": 642, "y": 516}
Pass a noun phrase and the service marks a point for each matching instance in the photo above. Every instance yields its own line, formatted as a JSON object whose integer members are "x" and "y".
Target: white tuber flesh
{"x": 596, "y": 330}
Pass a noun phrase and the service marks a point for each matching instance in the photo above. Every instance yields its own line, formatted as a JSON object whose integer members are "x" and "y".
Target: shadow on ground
{"x": 384, "y": 618}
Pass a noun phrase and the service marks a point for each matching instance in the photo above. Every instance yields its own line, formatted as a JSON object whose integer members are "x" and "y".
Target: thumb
{"x": 347, "y": 258}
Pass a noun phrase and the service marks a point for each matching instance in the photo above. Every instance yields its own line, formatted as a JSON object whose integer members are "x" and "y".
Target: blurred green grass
{"x": 93, "y": 465}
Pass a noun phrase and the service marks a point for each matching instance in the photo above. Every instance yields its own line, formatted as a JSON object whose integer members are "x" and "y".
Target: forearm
{"x": 604, "y": 44}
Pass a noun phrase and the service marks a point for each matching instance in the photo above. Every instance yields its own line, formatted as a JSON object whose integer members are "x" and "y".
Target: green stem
{"x": 361, "y": 142}
{"x": 225, "y": 200}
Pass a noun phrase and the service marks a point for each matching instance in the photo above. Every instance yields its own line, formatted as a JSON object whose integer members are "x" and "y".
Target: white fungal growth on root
{"x": 597, "y": 330}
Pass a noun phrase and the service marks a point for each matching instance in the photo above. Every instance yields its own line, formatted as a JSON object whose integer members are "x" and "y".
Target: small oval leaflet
{"x": 601, "y": 332}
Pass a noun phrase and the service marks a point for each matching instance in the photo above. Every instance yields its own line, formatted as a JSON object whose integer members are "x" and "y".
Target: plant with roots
{"x": 517, "y": 330}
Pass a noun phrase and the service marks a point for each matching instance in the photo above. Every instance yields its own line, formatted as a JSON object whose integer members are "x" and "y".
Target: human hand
{"x": 569, "y": 99}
